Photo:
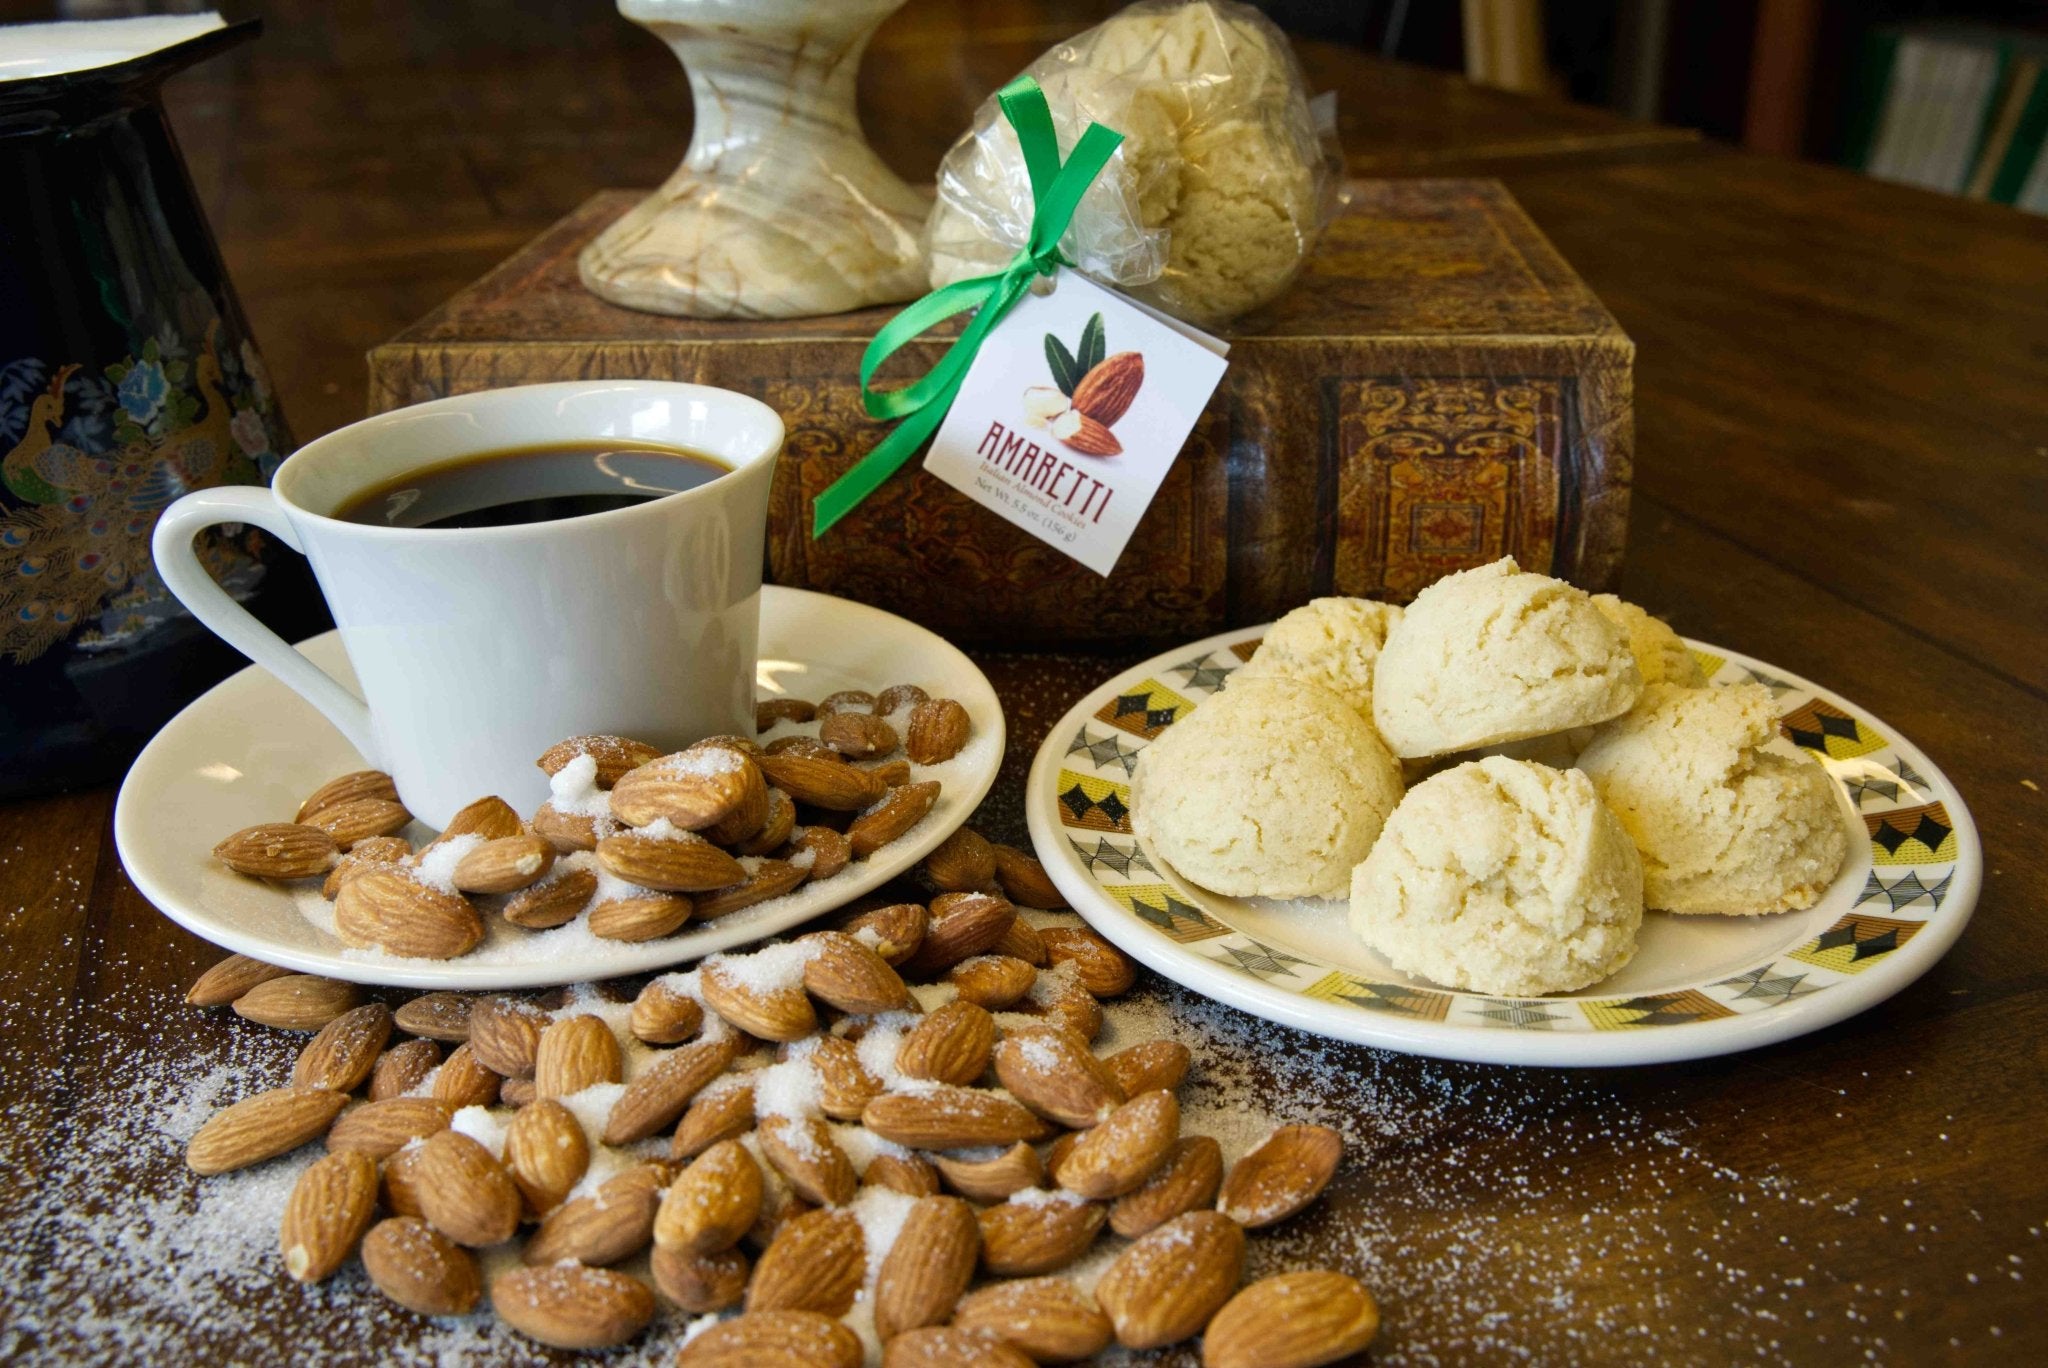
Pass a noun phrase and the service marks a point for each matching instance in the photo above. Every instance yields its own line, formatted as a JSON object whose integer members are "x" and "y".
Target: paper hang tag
{"x": 1016, "y": 441}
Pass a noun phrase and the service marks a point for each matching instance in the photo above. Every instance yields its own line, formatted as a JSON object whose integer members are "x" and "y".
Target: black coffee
{"x": 532, "y": 485}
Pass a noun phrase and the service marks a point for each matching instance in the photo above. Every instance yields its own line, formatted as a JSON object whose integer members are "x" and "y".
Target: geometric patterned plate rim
{"x": 1905, "y": 898}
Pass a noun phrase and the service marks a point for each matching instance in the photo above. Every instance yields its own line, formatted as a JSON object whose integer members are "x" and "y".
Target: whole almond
{"x": 691, "y": 790}
{"x": 640, "y": 919}
{"x": 517, "y": 1092}
{"x": 961, "y": 926}
{"x": 390, "y": 910}
{"x": 567, "y": 831}
{"x": 897, "y": 697}
{"x": 963, "y": 863}
{"x": 848, "y": 974}
{"x": 505, "y": 1033}
{"x": 360, "y": 819}
{"x": 900, "y": 810}
{"x": 830, "y": 784}
{"x": 463, "y": 1192}
{"x": 1103, "y": 969}
{"x": 772, "y": 1013}
{"x": 683, "y": 863}
{"x": 260, "y": 1127}
{"x": 327, "y": 1213}
{"x": 993, "y": 1180}
{"x": 894, "y": 773}
{"x": 1037, "y": 1232}
{"x": 769, "y": 711}
{"x": 615, "y": 755}
{"x": 712, "y": 1203}
{"x": 951, "y": 1045}
{"x": 381, "y": 1129}
{"x": 939, "y": 727}
{"x": 904, "y": 1173}
{"x": 1186, "y": 1182}
{"x": 348, "y": 788}
{"x": 700, "y": 1283}
{"x": 802, "y": 745}
{"x": 569, "y": 1306}
{"x": 928, "y": 1267}
{"x": 658, "y": 1093}
{"x": 546, "y": 1153}
{"x": 845, "y": 1087}
{"x": 1023, "y": 942}
{"x": 278, "y": 850}
{"x": 1288, "y": 1170}
{"x": 297, "y": 1002}
{"x": 718, "y": 1113}
{"x": 947, "y": 1346}
{"x": 437, "y": 1016}
{"x": 576, "y": 1053}
{"x": 769, "y": 879}
{"x": 463, "y": 1081}
{"x": 774, "y": 1339}
{"x": 992, "y": 981}
{"x": 1148, "y": 1065}
{"x": 342, "y": 1053}
{"x": 402, "y": 1068}
{"x": 1051, "y": 1070}
{"x": 1292, "y": 1320}
{"x": 490, "y": 818}
{"x": 775, "y": 827}
{"x": 1024, "y": 879}
{"x": 897, "y": 930}
{"x": 229, "y": 979}
{"x": 615, "y": 1222}
{"x": 826, "y": 850}
{"x": 816, "y": 1262}
{"x": 858, "y": 736}
{"x": 420, "y": 1268}
{"x": 749, "y": 816}
{"x": 1126, "y": 1149}
{"x": 1165, "y": 1286}
{"x": 505, "y": 865}
{"x": 1049, "y": 1319}
{"x": 951, "y": 1118}
{"x": 663, "y": 1016}
{"x": 1085, "y": 435}
{"x": 846, "y": 700}
{"x": 1060, "y": 998}
{"x": 1106, "y": 391}
{"x": 555, "y": 901}
{"x": 804, "y": 1153}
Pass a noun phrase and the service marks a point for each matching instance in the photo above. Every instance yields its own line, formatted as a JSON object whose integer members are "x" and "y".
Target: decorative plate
{"x": 249, "y": 749}
{"x": 1698, "y": 985}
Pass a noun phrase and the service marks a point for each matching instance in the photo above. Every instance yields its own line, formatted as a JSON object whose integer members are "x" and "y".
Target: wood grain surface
{"x": 1842, "y": 467}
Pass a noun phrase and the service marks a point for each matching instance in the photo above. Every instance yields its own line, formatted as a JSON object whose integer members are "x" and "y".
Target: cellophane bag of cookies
{"x": 1218, "y": 193}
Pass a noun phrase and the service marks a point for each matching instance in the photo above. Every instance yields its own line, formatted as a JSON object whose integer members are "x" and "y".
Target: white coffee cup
{"x": 478, "y": 648}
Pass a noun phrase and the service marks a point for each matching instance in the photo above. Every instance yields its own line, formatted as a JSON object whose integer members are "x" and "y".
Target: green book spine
{"x": 1872, "y": 85}
{"x": 2024, "y": 147}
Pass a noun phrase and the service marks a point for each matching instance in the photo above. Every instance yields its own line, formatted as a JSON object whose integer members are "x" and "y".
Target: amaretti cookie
{"x": 1661, "y": 654}
{"x": 1498, "y": 654}
{"x": 1328, "y": 641}
{"x": 1723, "y": 824}
{"x": 1273, "y": 788}
{"x": 1501, "y": 876}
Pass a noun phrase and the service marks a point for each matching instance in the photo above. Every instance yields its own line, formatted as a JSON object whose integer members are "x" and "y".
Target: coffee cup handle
{"x": 187, "y": 578}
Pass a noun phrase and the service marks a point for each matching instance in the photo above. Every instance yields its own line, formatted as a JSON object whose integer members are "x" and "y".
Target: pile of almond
{"x": 894, "y": 1128}
{"x": 637, "y": 842}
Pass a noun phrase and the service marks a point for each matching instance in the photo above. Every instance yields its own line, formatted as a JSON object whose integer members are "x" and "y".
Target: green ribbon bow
{"x": 1056, "y": 189}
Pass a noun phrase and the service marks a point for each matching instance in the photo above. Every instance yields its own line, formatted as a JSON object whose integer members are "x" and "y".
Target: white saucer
{"x": 1697, "y": 986}
{"x": 249, "y": 750}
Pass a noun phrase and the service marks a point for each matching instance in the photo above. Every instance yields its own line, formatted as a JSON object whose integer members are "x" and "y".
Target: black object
{"x": 127, "y": 377}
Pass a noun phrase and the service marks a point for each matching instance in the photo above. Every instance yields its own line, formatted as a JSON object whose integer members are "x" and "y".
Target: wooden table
{"x": 1843, "y": 468}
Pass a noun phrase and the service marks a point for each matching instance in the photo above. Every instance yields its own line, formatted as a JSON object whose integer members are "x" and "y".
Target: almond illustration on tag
{"x": 1090, "y": 391}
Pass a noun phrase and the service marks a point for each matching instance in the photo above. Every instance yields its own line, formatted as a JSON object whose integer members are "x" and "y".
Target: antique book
{"x": 1438, "y": 390}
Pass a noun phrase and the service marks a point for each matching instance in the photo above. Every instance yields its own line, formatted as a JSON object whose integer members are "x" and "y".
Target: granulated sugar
{"x": 1468, "y": 1194}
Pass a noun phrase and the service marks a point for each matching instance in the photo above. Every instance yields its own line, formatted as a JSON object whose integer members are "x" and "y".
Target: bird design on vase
{"x": 84, "y": 535}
